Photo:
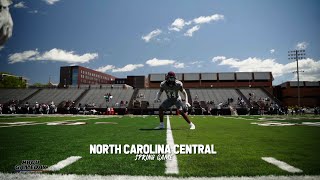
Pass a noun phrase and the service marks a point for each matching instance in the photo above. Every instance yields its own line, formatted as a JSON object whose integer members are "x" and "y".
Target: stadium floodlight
{"x": 296, "y": 55}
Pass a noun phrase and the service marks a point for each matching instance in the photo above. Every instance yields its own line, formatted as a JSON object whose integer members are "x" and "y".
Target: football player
{"x": 172, "y": 86}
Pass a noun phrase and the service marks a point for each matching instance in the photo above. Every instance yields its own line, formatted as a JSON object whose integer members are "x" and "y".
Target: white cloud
{"x": 302, "y": 45}
{"x": 151, "y": 35}
{"x": 208, "y": 19}
{"x": 179, "y": 65}
{"x": 159, "y": 62}
{"x": 105, "y": 68}
{"x": 1, "y": 47}
{"x": 22, "y": 57}
{"x": 177, "y": 25}
{"x": 197, "y": 64}
{"x": 192, "y": 30}
{"x": 33, "y": 12}
{"x": 127, "y": 68}
{"x": 52, "y": 55}
{"x": 272, "y": 51}
{"x": 251, "y": 64}
{"x": 218, "y": 58}
{"x": 20, "y": 5}
{"x": 51, "y": 2}
{"x": 310, "y": 67}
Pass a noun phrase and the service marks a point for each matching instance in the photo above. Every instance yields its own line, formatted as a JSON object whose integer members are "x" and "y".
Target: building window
{"x": 74, "y": 76}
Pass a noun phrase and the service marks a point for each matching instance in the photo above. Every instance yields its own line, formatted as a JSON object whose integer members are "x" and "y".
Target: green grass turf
{"x": 51, "y": 144}
{"x": 240, "y": 146}
{"x": 39, "y": 119}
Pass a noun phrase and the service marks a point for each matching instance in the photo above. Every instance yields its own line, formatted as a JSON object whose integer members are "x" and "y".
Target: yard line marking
{"x": 171, "y": 165}
{"x": 282, "y": 165}
{"x": 30, "y": 124}
{"x": 64, "y": 163}
{"x": 35, "y": 176}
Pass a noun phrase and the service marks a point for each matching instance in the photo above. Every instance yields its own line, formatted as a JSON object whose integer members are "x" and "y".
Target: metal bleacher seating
{"x": 258, "y": 93}
{"x": 56, "y": 95}
{"x": 216, "y": 95}
{"x": 15, "y": 94}
{"x": 96, "y": 96}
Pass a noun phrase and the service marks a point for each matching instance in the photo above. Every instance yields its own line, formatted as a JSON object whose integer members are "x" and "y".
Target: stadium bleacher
{"x": 15, "y": 94}
{"x": 56, "y": 95}
{"x": 96, "y": 96}
{"x": 123, "y": 97}
{"x": 258, "y": 93}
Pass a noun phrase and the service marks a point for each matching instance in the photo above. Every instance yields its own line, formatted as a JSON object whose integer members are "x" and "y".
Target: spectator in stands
{"x": 219, "y": 108}
{"x": 26, "y": 108}
{"x": 110, "y": 97}
{"x": 196, "y": 98}
{"x": 193, "y": 111}
{"x": 0, "y": 108}
{"x": 108, "y": 110}
{"x": 203, "y": 110}
{"x": 79, "y": 107}
{"x": 209, "y": 110}
{"x": 286, "y": 110}
{"x": 106, "y": 96}
{"x": 52, "y": 108}
{"x": 37, "y": 108}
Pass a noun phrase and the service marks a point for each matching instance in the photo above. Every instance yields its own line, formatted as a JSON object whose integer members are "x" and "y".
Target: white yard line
{"x": 64, "y": 163}
{"x": 30, "y": 124}
{"x": 171, "y": 165}
{"x": 34, "y": 176}
{"x": 282, "y": 165}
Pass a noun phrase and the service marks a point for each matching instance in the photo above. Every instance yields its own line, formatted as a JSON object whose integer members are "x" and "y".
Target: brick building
{"x": 78, "y": 75}
{"x": 287, "y": 92}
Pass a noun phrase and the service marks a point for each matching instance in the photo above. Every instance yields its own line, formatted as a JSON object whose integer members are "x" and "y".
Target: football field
{"x": 244, "y": 145}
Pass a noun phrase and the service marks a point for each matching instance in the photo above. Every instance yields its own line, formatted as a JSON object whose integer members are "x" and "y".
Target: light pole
{"x": 296, "y": 55}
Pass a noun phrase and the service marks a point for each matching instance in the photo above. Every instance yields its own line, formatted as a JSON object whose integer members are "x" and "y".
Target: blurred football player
{"x": 172, "y": 86}
{"x": 6, "y": 23}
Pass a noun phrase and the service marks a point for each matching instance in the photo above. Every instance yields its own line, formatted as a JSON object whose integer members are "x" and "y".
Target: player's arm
{"x": 157, "y": 99}
{"x": 185, "y": 95}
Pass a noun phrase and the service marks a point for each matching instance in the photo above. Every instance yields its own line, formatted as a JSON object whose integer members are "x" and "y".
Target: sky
{"x": 139, "y": 37}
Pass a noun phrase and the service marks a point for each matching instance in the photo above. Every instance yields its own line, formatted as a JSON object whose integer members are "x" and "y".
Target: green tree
{"x": 39, "y": 85}
{"x": 12, "y": 82}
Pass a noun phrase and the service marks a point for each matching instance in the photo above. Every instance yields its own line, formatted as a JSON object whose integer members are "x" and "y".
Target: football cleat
{"x": 159, "y": 127}
{"x": 192, "y": 126}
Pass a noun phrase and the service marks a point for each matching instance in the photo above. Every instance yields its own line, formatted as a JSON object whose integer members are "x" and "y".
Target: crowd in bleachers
{"x": 218, "y": 101}
{"x": 15, "y": 107}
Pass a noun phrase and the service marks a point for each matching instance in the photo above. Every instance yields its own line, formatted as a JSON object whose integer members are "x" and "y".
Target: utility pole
{"x": 296, "y": 55}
